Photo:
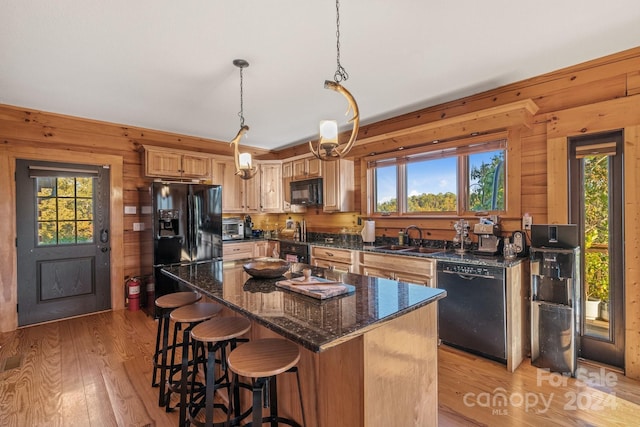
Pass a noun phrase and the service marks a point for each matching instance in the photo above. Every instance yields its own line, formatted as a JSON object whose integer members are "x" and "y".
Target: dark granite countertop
{"x": 470, "y": 258}
{"x": 245, "y": 240}
{"x": 314, "y": 324}
{"x": 443, "y": 255}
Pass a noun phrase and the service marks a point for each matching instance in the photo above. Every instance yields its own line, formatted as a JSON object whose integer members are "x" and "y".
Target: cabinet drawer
{"x": 333, "y": 265}
{"x": 399, "y": 263}
{"x": 332, "y": 254}
{"x": 376, "y": 272}
{"x": 237, "y": 251}
{"x": 414, "y": 278}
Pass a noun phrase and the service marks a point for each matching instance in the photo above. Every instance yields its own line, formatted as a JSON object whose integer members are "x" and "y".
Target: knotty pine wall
{"x": 23, "y": 130}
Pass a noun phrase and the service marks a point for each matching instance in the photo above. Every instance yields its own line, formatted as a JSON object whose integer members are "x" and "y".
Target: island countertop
{"x": 315, "y": 324}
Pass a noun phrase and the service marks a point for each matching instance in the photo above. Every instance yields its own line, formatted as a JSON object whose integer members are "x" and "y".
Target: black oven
{"x": 294, "y": 251}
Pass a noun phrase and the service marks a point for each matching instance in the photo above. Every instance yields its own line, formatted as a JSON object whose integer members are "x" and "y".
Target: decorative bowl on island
{"x": 266, "y": 268}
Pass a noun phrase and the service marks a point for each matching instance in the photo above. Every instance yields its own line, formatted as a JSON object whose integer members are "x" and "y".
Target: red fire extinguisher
{"x": 133, "y": 293}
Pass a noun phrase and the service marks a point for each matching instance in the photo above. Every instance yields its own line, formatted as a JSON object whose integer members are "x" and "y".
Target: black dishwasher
{"x": 473, "y": 317}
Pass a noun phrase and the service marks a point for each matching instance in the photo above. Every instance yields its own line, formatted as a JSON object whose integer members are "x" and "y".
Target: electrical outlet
{"x": 526, "y": 222}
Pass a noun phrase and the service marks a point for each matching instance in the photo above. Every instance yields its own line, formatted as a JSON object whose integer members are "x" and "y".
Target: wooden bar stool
{"x": 166, "y": 304}
{"x": 262, "y": 360}
{"x": 185, "y": 319}
{"x": 218, "y": 334}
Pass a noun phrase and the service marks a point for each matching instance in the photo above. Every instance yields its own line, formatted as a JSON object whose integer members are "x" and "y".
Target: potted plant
{"x": 597, "y": 284}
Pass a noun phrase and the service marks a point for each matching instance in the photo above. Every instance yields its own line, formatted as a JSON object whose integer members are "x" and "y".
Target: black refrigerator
{"x": 186, "y": 227}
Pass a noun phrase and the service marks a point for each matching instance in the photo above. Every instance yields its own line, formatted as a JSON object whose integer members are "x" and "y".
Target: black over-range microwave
{"x": 307, "y": 192}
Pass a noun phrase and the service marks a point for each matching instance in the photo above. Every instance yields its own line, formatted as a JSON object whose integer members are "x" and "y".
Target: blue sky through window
{"x": 429, "y": 176}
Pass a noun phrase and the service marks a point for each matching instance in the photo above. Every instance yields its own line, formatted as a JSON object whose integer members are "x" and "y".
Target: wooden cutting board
{"x": 316, "y": 287}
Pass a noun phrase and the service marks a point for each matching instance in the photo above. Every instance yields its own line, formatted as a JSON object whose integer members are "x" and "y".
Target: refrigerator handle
{"x": 190, "y": 225}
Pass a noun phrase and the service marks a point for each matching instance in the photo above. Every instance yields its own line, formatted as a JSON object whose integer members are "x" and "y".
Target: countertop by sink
{"x": 443, "y": 255}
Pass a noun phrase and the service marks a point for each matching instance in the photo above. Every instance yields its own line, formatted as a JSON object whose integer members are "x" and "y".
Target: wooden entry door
{"x": 63, "y": 241}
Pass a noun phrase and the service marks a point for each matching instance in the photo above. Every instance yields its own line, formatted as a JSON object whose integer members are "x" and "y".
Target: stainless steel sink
{"x": 410, "y": 249}
{"x": 422, "y": 250}
{"x": 395, "y": 247}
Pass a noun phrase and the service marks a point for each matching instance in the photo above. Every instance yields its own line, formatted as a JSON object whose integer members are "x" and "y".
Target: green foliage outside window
{"x": 486, "y": 183}
{"x": 430, "y": 202}
{"x": 65, "y": 210}
{"x": 596, "y": 226}
{"x": 388, "y": 206}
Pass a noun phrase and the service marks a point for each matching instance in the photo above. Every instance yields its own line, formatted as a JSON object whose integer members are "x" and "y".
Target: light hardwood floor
{"x": 96, "y": 371}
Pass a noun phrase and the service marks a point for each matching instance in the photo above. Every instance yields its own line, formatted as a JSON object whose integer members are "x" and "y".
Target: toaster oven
{"x": 232, "y": 229}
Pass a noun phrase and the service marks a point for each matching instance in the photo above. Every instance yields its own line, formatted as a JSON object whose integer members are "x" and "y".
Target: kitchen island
{"x": 368, "y": 358}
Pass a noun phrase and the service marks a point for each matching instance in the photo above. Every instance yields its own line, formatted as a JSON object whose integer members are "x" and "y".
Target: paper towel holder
{"x": 369, "y": 232}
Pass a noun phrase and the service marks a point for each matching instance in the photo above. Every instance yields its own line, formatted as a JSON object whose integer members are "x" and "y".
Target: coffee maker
{"x": 489, "y": 241}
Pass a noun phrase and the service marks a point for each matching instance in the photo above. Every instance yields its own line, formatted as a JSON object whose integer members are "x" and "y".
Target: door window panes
{"x": 65, "y": 210}
{"x": 596, "y": 242}
{"x": 432, "y": 185}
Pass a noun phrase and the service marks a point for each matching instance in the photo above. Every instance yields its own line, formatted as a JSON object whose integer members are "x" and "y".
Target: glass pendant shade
{"x": 245, "y": 160}
{"x": 328, "y": 134}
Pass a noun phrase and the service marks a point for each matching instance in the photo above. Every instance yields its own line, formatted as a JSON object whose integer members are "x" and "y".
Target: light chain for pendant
{"x": 341, "y": 74}
{"x": 241, "y": 113}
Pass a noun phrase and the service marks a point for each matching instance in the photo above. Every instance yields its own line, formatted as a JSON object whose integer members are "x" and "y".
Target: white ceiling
{"x": 166, "y": 64}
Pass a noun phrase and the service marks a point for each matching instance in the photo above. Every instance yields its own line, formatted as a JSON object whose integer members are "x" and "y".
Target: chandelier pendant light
{"x": 328, "y": 145}
{"x": 243, "y": 160}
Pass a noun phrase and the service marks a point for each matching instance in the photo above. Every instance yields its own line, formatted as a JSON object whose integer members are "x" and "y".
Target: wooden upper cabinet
{"x": 251, "y": 193}
{"x": 225, "y": 175}
{"x": 338, "y": 186}
{"x": 238, "y": 195}
{"x": 287, "y": 170}
{"x": 271, "y": 194}
{"x": 167, "y": 163}
{"x": 308, "y": 167}
{"x": 196, "y": 166}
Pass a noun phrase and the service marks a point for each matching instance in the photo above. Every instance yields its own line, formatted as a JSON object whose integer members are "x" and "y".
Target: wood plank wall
{"x": 608, "y": 78}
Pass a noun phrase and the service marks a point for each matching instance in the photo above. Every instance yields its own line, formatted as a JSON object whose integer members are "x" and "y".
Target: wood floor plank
{"x": 477, "y": 391}
{"x": 96, "y": 371}
{"x": 74, "y": 408}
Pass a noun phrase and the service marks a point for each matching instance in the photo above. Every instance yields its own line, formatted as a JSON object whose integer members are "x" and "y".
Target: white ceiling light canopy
{"x": 243, "y": 160}
{"x": 327, "y": 148}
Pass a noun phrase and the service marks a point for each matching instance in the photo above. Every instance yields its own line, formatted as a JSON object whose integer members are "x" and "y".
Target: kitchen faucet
{"x": 406, "y": 233}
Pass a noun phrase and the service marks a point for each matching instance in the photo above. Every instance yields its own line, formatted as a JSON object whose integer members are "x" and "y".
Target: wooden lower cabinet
{"x": 267, "y": 248}
{"x": 399, "y": 267}
{"x": 518, "y": 314}
{"x": 261, "y": 249}
{"x": 250, "y": 249}
{"x": 273, "y": 249}
{"x": 238, "y": 250}
{"x": 372, "y": 380}
{"x": 334, "y": 258}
